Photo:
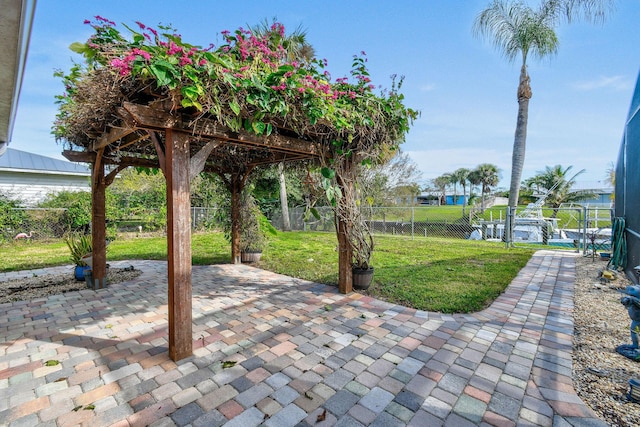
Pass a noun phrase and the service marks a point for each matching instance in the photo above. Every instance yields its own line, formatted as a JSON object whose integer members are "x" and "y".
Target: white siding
{"x": 31, "y": 188}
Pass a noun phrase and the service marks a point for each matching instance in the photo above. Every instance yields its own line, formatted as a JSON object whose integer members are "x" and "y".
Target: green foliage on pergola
{"x": 248, "y": 84}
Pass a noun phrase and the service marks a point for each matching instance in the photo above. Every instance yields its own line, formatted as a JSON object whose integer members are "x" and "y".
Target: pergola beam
{"x": 150, "y": 118}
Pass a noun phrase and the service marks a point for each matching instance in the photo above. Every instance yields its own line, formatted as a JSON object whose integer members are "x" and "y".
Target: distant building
{"x": 434, "y": 198}
{"x": 603, "y": 192}
{"x": 30, "y": 177}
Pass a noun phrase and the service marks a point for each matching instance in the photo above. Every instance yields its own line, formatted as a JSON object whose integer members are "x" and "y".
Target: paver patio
{"x": 277, "y": 351}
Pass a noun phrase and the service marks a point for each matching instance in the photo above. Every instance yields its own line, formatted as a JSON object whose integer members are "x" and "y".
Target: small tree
{"x": 556, "y": 182}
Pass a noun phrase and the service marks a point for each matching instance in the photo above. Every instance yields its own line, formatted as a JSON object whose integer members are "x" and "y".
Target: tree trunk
{"x": 519, "y": 143}
{"x": 284, "y": 203}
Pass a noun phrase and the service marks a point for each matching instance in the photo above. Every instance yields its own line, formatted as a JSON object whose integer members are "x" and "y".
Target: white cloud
{"x": 604, "y": 82}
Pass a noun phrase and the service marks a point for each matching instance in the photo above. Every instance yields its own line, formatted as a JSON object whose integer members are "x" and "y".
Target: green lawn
{"x": 445, "y": 275}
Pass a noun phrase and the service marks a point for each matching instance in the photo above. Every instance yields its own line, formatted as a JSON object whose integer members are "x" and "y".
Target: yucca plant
{"x": 79, "y": 246}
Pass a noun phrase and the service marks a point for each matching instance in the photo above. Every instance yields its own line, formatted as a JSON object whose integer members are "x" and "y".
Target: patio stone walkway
{"x": 276, "y": 351}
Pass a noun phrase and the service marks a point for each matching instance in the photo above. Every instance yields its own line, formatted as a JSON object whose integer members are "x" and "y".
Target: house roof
{"x": 15, "y": 28}
{"x": 22, "y": 161}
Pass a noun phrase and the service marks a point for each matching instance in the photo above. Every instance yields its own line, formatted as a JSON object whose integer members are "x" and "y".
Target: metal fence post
{"x": 413, "y": 223}
{"x": 584, "y": 230}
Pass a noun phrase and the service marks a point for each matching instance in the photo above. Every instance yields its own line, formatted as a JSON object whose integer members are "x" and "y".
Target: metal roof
{"x": 22, "y": 161}
{"x": 15, "y": 28}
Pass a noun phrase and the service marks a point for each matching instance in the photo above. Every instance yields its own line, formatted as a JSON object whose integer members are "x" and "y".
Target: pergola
{"x": 114, "y": 118}
{"x": 152, "y": 137}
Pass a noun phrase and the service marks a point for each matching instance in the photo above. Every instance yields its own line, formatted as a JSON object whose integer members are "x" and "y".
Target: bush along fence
{"x": 55, "y": 223}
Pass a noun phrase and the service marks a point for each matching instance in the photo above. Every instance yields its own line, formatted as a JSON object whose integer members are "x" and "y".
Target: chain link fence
{"x": 55, "y": 223}
{"x": 573, "y": 227}
{"x": 582, "y": 228}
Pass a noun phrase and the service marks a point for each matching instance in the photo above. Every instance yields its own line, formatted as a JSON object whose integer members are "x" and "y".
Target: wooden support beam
{"x": 179, "y": 245}
{"x": 98, "y": 224}
{"x": 199, "y": 159}
{"x": 113, "y": 135}
{"x": 151, "y": 118}
{"x": 88, "y": 157}
{"x": 236, "y": 203}
{"x": 345, "y": 179}
{"x": 160, "y": 150}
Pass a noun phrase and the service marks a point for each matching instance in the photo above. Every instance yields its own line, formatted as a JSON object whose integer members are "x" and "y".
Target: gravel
{"x": 600, "y": 375}
{"x": 28, "y": 288}
{"x": 601, "y": 323}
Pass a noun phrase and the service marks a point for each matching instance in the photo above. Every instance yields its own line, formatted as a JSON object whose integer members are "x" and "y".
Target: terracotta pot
{"x": 250, "y": 257}
{"x": 362, "y": 277}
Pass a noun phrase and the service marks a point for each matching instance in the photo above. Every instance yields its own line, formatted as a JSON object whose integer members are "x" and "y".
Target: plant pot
{"x": 250, "y": 256}
{"x": 79, "y": 272}
{"x": 88, "y": 277}
{"x": 634, "y": 390}
{"x": 362, "y": 277}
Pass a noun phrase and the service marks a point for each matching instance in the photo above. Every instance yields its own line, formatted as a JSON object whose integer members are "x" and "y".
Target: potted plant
{"x": 361, "y": 241}
{"x": 80, "y": 248}
{"x": 255, "y": 229}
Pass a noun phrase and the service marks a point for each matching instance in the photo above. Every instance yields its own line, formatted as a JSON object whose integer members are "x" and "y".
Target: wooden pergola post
{"x": 98, "y": 224}
{"x": 236, "y": 201}
{"x": 179, "y": 244}
{"x": 345, "y": 180}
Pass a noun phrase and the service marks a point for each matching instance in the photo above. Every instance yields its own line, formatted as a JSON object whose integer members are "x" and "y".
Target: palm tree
{"x": 441, "y": 183}
{"x": 486, "y": 175}
{"x": 555, "y": 181}
{"x": 518, "y": 31}
{"x": 462, "y": 177}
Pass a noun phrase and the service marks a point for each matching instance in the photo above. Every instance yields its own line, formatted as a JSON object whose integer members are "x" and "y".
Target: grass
{"x": 433, "y": 274}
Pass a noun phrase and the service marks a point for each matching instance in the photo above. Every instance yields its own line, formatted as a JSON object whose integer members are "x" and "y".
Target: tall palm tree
{"x": 517, "y": 30}
{"x": 486, "y": 175}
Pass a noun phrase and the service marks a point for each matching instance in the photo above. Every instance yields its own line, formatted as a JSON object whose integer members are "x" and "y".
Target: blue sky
{"x": 464, "y": 89}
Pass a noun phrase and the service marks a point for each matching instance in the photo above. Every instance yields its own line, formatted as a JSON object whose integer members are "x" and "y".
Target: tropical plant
{"x": 441, "y": 183}
{"x": 296, "y": 48}
{"x": 80, "y": 245}
{"x": 519, "y": 31}
{"x": 255, "y": 227}
{"x": 487, "y": 176}
{"x": 556, "y": 183}
{"x": 462, "y": 177}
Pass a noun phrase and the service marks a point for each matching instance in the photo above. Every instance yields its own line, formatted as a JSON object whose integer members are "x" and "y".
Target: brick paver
{"x": 301, "y": 350}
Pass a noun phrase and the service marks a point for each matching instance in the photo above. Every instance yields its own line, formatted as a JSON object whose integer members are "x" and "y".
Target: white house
{"x": 30, "y": 177}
